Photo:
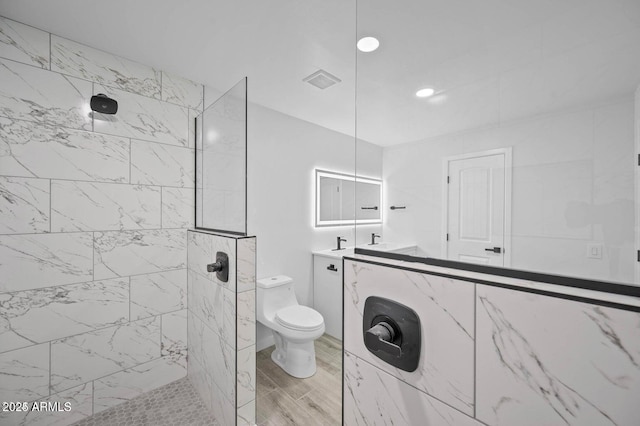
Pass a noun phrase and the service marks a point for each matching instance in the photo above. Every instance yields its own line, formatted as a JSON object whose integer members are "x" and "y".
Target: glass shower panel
{"x": 221, "y": 163}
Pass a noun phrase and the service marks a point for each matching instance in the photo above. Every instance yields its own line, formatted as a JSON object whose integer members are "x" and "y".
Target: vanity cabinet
{"x": 327, "y": 292}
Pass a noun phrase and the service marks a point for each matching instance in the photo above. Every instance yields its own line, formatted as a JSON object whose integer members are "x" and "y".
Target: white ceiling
{"x": 490, "y": 61}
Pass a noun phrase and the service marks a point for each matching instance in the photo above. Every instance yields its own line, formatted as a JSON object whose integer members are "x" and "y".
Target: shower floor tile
{"x": 177, "y": 403}
{"x": 286, "y": 400}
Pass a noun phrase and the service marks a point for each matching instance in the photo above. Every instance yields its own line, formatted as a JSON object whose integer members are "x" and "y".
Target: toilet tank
{"x": 274, "y": 293}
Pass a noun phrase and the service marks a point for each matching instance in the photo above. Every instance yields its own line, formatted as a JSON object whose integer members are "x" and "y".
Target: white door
{"x": 476, "y": 209}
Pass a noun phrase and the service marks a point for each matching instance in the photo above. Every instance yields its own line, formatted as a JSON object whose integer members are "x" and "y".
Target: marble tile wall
{"x": 445, "y": 308}
{"x": 93, "y": 217}
{"x": 221, "y": 324}
{"x": 553, "y": 361}
{"x": 491, "y": 356}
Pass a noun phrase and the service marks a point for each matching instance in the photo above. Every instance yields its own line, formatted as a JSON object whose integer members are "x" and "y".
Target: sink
{"x": 337, "y": 254}
{"x": 379, "y": 246}
{"x": 391, "y": 247}
{"x": 388, "y": 247}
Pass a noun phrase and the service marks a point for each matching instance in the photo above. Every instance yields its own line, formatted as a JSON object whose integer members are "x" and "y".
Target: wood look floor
{"x": 286, "y": 400}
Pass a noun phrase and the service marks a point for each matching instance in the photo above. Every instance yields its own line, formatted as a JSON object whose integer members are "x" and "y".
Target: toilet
{"x": 294, "y": 326}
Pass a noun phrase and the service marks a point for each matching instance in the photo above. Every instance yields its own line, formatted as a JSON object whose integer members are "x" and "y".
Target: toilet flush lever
{"x": 379, "y": 338}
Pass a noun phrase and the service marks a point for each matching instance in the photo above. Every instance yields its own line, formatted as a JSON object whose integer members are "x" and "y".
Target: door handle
{"x": 495, "y": 249}
{"x": 332, "y": 267}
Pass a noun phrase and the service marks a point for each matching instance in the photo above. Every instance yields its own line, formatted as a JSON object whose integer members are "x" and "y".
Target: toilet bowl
{"x": 294, "y": 326}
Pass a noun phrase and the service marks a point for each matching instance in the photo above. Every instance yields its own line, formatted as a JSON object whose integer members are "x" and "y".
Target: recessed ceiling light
{"x": 368, "y": 44}
{"x": 425, "y": 93}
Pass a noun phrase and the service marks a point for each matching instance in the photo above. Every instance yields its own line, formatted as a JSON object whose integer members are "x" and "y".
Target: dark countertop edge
{"x": 561, "y": 280}
{"x": 224, "y": 234}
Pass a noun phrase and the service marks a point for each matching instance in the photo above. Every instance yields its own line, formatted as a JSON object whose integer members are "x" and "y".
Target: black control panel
{"x": 391, "y": 331}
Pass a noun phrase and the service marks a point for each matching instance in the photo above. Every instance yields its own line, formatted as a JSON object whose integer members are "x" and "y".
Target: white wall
{"x": 283, "y": 152}
{"x": 573, "y": 184}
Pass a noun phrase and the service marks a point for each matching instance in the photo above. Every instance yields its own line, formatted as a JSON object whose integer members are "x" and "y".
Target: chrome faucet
{"x": 339, "y": 240}
{"x": 373, "y": 238}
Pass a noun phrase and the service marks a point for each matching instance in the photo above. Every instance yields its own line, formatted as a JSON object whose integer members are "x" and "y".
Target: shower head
{"x": 104, "y": 104}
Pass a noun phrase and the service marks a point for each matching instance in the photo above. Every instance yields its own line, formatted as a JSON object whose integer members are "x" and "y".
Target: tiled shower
{"x": 93, "y": 240}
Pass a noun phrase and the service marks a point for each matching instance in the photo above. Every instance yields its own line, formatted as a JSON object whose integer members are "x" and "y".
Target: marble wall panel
{"x": 247, "y": 414}
{"x": 49, "y": 151}
{"x": 246, "y": 264}
{"x": 544, "y": 360}
{"x": 201, "y": 253}
{"x": 161, "y": 164}
{"x": 246, "y": 377}
{"x": 79, "y": 359}
{"x": 121, "y": 253}
{"x": 79, "y": 60}
{"x": 194, "y": 336}
{"x": 181, "y": 91}
{"x": 37, "y": 316}
{"x": 158, "y": 293}
{"x": 246, "y": 323}
{"x": 23, "y": 43}
{"x": 372, "y": 396}
{"x": 88, "y": 206}
{"x": 143, "y": 118}
{"x": 178, "y": 205}
{"x": 174, "y": 336}
{"x": 24, "y": 373}
{"x": 34, "y": 94}
{"x": 206, "y": 301}
{"x": 198, "y": 378}
{"x": 446, "y": 311}
{"x": 229, "y": 317}
{"x": 223, "y": 408}
{"x": 24, "y": 205}
{"x": 221, "y": 329}
{"x": 44, "y": 260}
{"x": 214, "y": 355}
{"x": 220, "y": 360}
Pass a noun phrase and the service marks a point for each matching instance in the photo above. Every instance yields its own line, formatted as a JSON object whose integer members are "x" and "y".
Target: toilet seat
{"x": 298, "y": 317}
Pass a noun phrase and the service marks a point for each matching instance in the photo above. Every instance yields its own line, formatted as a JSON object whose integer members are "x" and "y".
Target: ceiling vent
{"x": 322, "y": 79}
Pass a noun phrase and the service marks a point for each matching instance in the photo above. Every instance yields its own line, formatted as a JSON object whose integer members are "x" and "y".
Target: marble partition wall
{"x": 93, "y": 217}
{"x": 544, "y": 360}
{"x": 222, "y": 326}
{"x": 491, "y": 355}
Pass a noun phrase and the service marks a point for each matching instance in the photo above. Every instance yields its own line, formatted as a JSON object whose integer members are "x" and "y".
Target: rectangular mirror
{"x": 343, "y": 199}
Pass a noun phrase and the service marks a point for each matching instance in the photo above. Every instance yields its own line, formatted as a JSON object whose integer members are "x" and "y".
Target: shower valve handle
{"x": 379, "y": 338}
{"x": 220, "y": 267}
{"x": 215, "y": 267}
